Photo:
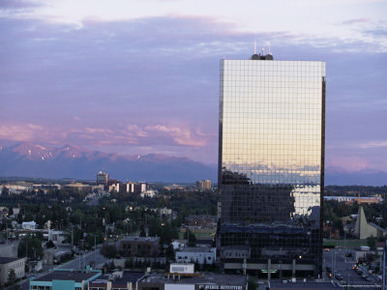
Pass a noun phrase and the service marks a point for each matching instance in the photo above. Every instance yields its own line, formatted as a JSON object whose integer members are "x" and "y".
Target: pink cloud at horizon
{"x": 130, "y": 135}
{"x": 347, "y": 164}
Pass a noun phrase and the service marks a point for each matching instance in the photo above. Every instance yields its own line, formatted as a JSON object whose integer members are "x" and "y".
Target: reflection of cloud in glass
{"x": 278, "y": 175}
{"x": 271, "y": 120}
{"x": 271, "y": 128}
{"x": 306, "y": 198}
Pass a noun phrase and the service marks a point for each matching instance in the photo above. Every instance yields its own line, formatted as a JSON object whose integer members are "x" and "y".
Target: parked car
{"x": 338, "y": 276}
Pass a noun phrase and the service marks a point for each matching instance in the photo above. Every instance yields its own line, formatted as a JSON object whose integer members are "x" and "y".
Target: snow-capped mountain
{"x": 68, "y": 161}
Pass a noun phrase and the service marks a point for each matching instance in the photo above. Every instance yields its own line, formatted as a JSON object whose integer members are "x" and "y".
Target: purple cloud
{"x": 377, "y": 32}
{"x": 18, "y": 4}
{"x": 356, "y": 21}
{"x": 151, "y": 85}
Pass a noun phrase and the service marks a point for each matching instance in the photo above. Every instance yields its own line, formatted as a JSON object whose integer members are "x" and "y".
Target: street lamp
{"x": 334, "y": 263}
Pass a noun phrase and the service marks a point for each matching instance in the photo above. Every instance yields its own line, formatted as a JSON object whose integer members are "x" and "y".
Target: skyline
{"x": 135, "y": 78}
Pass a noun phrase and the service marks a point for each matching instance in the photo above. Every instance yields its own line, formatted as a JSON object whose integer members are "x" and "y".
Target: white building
{"x": 149, "y": 193}
{"x": 200, "y": 255}
{"x": 7, "y": 263}
{"x": 29, "y": 225}
{"x": 179, "y": 244}
{"x": 182, "y": 268}
{"x": 57, "y": 237}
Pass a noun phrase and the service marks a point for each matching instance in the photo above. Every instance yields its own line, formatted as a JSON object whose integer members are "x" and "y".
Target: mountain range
{"x": 68, "y": 161}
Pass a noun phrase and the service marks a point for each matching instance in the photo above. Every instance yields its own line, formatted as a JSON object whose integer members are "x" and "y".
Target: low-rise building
{"x": 65, "y": 279}
{"x": 56, "y": 256}
{"x": 57, "y": 237}
{"x": 200, "y": 221}
{"x": 15, "y": 188}
{"x": 148, "y": 193}
{"x": 80, "y": 187}
{"x": 352, "y": 199}
{"x": 9, "y": 249}
{"x": 140, "y": 246}
{"x": 196, "y": 281}
{"x": 179, "y": 244}
{"x": 117, "y": 280}
{"x": 29, "y": 225}
{"x": 200, "y": 255}
{"x": 179, "y": 268}
{"x": 8, "y": 263}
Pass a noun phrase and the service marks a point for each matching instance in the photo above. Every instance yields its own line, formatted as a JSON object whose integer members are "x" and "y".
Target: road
{"x": 338, "y": 262}
{"x": 83, "y": 260}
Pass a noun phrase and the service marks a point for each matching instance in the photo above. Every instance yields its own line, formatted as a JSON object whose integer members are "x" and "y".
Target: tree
{"x": 129, "y": 262}
{"x": 11, "y": 277}
{"x": 371, "y": 242}
{"x": 109, "y": 251}
{"x": 50, "y": 244}
{"x": 252, "y": 284}
{"x": 170, "y": 253}
{"x": 191, "y": 238}
{"x": 142, "y": 232}
{"x": 5, "y": 192}
{"x": 31, "y": 247}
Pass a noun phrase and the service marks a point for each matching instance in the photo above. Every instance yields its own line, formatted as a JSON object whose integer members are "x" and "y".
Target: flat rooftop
{"x": 127, "y": 277}
{"x": 77, "y": 276}
{"x": 141, "y": 239}
{"x": 199, "y": 249}
{"x": 6, "y": 260}
{"x": 205, "y": 278}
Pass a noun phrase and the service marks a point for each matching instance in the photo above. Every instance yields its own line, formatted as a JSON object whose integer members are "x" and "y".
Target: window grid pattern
{"x": 271, "y": 155}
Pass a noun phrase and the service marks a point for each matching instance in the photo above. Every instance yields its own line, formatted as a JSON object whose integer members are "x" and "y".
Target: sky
{"x": 142, "y": 76}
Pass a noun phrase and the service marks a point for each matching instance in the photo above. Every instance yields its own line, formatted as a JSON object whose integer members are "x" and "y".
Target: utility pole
{"x": 95, "y": 252}
{"x": 384, "y": 286}
{"x": 27, "y": 248}
{"x": 6, "y": 231}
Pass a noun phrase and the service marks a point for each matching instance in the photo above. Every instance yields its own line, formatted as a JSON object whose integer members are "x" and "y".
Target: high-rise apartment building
{"x": 102, "y": 179}
{"x": 204, "y": 184}
{"x": 271, "y": 165}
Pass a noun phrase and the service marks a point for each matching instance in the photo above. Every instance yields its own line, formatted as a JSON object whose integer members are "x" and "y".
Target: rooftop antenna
{"x": 255, "y": 46}
{"x": 269, "y": 48}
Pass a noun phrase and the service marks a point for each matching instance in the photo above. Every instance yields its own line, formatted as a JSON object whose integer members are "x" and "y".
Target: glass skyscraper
{"x": 271, "y": 165}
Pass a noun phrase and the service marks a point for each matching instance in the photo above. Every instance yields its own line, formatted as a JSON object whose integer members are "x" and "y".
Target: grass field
{"x": 200, "y": 235}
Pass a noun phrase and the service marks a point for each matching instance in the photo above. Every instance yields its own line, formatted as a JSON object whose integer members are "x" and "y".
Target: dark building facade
{"x": 271, "y": 165}
{"x": 140, "y": 246}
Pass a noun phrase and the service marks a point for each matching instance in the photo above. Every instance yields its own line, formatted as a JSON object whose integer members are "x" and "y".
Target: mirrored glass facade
{"x": 271, "y": 164}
